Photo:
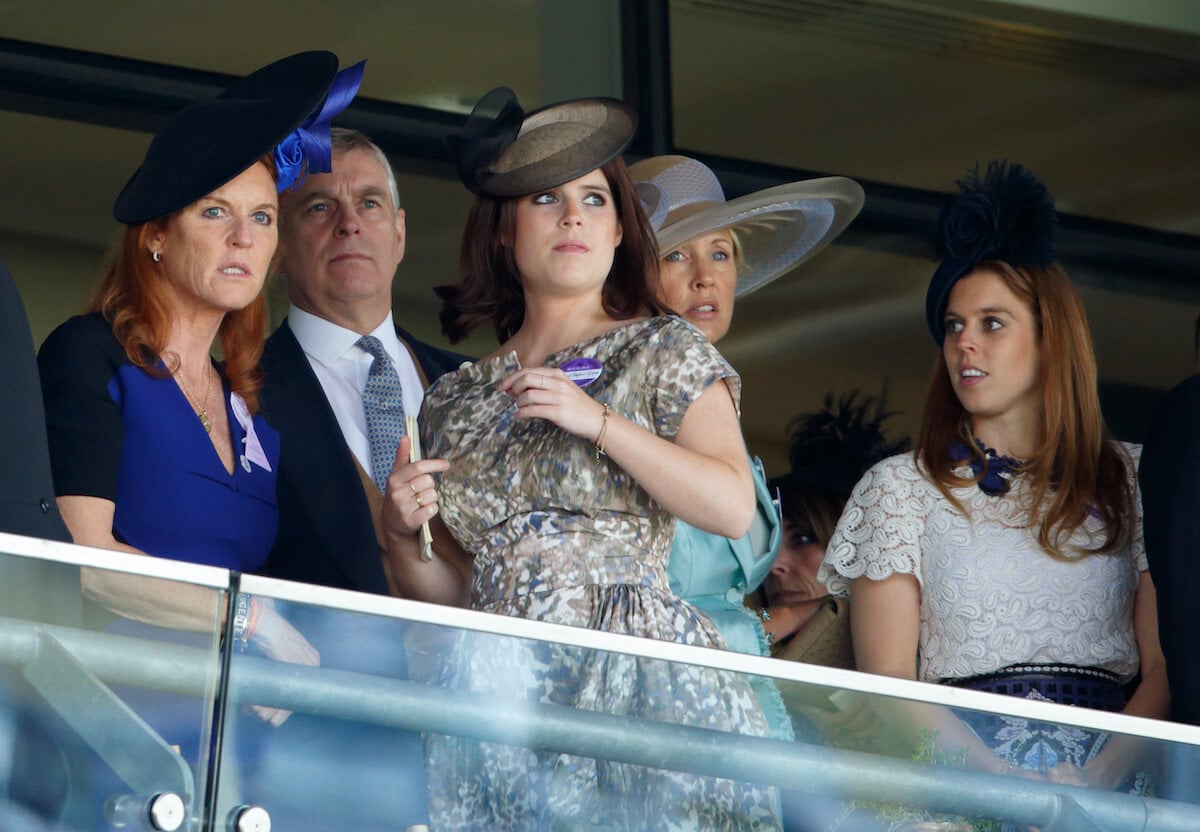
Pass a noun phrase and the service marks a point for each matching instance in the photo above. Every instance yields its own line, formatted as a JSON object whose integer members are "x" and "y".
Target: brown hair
{"x": 133, "y": 298}
{"x": 490, "y": 287}
{"x": 811, "y": 511}
{"x": 1077, "y": 466}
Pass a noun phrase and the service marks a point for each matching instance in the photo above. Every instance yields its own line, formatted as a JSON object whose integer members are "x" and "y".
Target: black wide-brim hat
{"x": 204, "y": 146}
{"x": 505, "y": 152}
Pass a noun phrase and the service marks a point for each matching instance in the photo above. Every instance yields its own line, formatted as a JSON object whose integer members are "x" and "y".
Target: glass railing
{"x": 105, "y": 718}
{"x": 416, "y": 709}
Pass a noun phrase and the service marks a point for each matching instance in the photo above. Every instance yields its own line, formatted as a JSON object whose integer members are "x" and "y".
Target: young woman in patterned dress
{"x": 558, "y": 465}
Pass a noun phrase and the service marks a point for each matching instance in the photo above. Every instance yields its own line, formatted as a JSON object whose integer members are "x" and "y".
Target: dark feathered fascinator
{"x": 832, "y": 448}
{"x": 1007, "y": 215}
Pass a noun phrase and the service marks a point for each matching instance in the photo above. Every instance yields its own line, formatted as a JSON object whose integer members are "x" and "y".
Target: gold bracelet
{"x": 600, "y": 435}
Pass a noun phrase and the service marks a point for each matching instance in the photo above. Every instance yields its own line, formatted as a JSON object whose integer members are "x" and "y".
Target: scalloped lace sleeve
{"x": 881, "y": 527}
{"x": 990, "y": 595}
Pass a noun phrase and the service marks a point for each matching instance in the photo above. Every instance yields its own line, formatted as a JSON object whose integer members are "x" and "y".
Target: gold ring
{"x": 413, "y": 487}
{"x": 420, "y": 503}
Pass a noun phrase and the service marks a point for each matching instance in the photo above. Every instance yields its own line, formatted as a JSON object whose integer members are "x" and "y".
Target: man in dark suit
{"x": 1169, "y": 477}
{"x": 342, "y": 236}
{"x": 27, "y": 504}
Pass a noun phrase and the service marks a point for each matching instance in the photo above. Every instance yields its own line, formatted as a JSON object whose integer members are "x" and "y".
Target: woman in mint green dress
{"x": 710, "y": 252}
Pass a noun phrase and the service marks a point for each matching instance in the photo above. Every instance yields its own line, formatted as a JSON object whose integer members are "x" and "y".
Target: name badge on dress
{"x": 583, "y": 371}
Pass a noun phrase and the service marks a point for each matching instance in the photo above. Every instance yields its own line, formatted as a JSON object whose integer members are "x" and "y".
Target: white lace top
{"x": 990, "y": 596}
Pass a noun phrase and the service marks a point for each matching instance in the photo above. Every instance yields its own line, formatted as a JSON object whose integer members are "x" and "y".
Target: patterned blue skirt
{"x": 1040, "y": 746}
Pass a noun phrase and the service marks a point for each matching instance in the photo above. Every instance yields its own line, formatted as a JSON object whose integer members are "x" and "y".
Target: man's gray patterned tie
{"x": 384, "y": 409}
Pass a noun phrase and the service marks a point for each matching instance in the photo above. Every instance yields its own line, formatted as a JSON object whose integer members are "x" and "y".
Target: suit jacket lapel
{"x": 323, "y": 472}
{"x": 421, "y": 374}
{"x": 432, "y": 363}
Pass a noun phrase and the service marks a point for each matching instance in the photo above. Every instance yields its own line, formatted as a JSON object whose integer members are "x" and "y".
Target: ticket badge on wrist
{"x": 414, "y": 455}
{"x": 583, "y": 371}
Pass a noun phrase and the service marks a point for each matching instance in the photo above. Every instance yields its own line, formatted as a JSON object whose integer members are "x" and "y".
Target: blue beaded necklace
{"x": 994, "y": 483}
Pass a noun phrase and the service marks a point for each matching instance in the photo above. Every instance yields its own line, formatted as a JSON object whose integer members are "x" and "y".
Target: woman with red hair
{"x": 1005, "y": 554}
{"x": 155, "y": 448}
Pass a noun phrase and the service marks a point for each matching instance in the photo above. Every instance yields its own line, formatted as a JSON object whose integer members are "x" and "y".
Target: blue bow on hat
{"x": 209, "y": 143}
{"x": 310, "y": 140}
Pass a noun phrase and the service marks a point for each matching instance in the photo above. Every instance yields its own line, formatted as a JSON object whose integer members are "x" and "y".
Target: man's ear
{"x": 401, "y": 235}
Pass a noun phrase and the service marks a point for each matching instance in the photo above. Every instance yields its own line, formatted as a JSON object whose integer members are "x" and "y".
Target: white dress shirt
{"x": 342, "y": 369}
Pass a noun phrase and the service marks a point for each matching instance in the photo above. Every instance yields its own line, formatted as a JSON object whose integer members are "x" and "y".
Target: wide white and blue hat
{"x": 777, "y": 228}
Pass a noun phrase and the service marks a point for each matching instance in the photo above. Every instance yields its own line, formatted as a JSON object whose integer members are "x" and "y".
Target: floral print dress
{"x": 558, "y": 536}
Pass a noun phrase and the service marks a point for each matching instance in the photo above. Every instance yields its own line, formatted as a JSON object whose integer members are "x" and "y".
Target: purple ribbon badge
{"x": 583, "y": 371}
{"x": 254, "y": 450}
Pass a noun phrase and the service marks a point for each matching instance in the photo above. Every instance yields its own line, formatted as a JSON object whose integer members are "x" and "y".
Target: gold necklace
{"x": 202, "y": 409}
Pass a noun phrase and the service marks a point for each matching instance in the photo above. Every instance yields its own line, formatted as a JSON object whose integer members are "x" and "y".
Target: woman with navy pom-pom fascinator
{"x": 1015, "y": 498}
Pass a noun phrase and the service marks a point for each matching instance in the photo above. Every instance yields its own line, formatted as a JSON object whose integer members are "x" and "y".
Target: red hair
{"x": 1076, "y": 467}
{"x": 133, "y": 297}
